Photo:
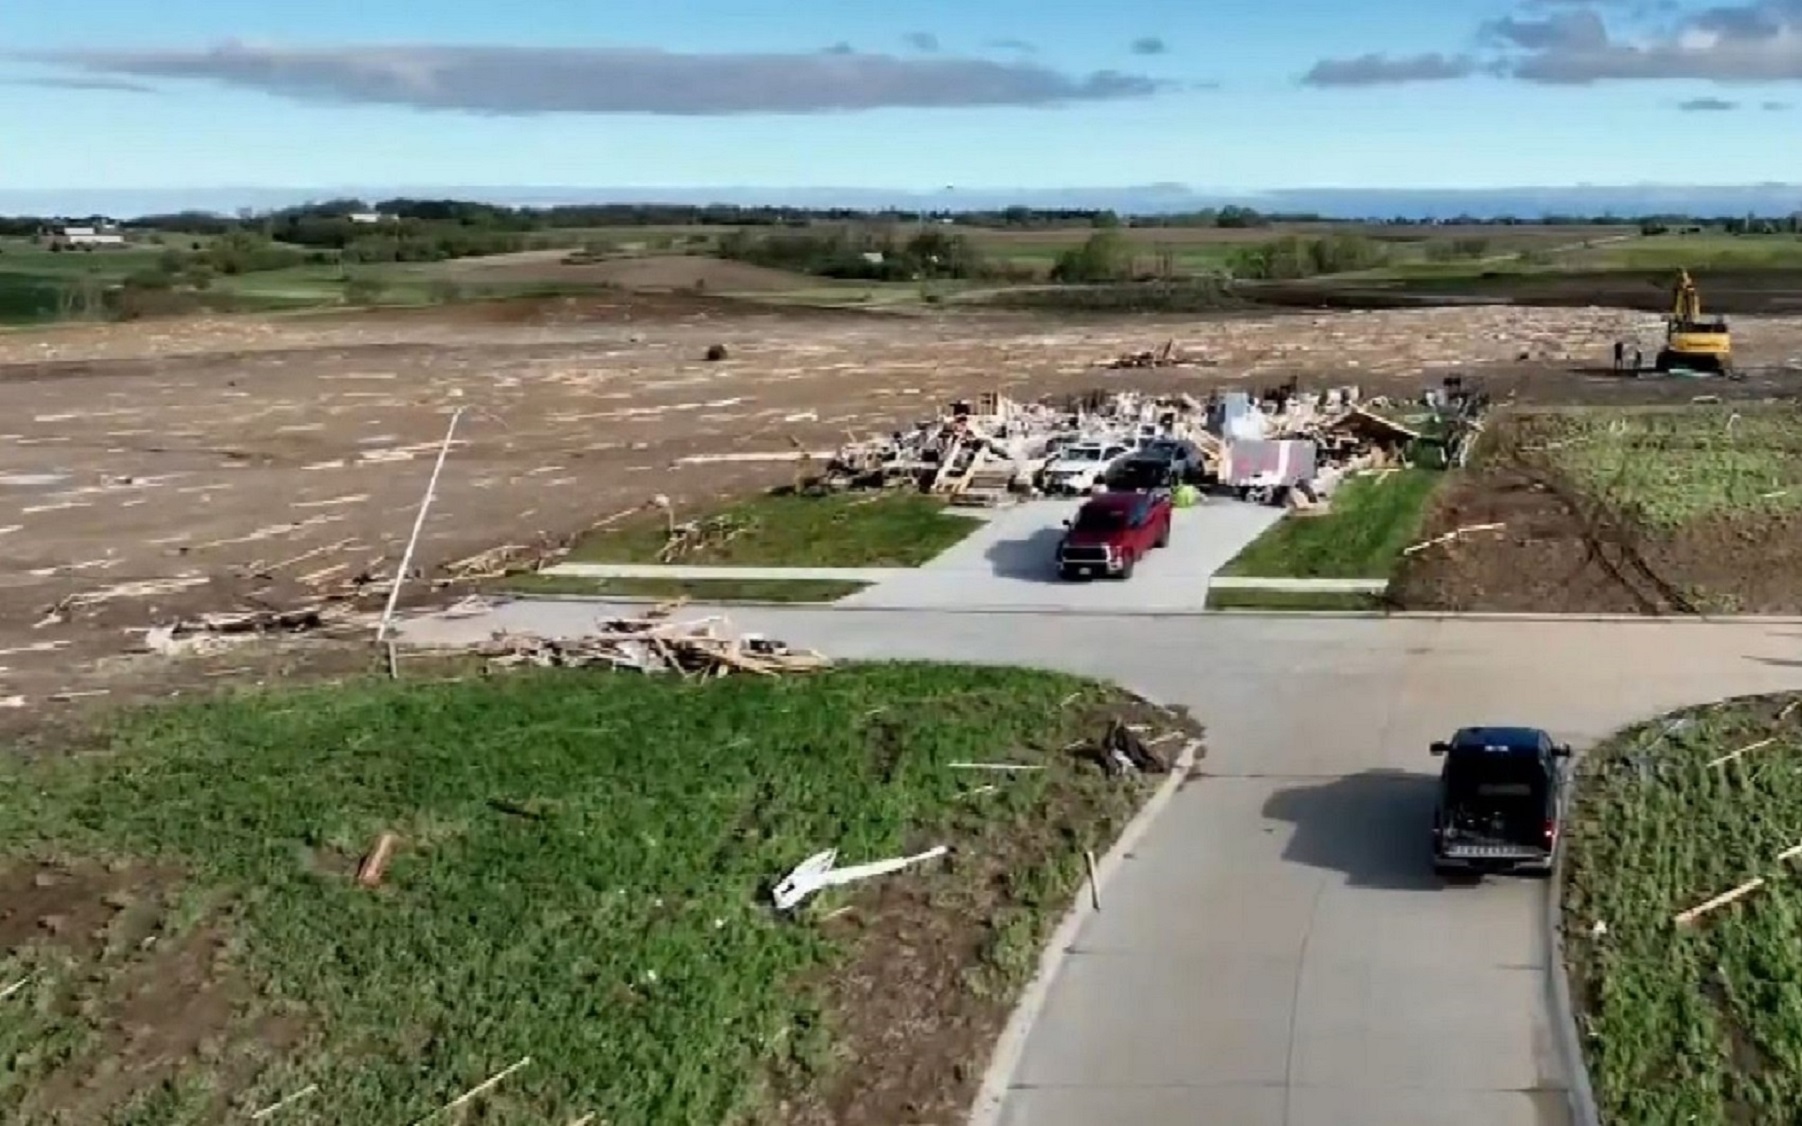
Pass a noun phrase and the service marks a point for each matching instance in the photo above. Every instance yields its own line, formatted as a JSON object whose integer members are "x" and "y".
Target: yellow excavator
{"x": 1690, "y": 341}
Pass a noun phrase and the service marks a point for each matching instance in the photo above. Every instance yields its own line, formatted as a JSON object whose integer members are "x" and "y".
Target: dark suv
{"x": 1501, "y": 792}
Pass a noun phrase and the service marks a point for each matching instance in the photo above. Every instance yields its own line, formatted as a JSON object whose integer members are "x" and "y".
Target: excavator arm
{"x": 1686, "y": 300}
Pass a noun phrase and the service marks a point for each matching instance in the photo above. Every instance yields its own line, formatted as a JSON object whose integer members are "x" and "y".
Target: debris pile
{"x": 1165, "y": 357}
{"x": 654, "y": 643}
{"x": 214, "y": 633}
{"x": 1280, "y": 445}
{"x": 698, "y": 535}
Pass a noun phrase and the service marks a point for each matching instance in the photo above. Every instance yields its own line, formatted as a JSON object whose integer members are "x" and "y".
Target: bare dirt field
{"x": 1741, "y": 292}
{"x": 1643, "y": 511}
{"x": 151, "y": 471}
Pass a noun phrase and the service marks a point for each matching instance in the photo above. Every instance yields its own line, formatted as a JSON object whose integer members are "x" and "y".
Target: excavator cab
{"x": 1691, "y": 341}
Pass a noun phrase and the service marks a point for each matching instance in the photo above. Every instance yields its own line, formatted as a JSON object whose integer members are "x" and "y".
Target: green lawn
{"x": 892, "y": 530}
{"x": 1295, "y": 600}
{"x": 1675, "y": 465}
{"x": 1371, "y": 519}
{"x": 582, "y": 879}
{"x": 700, "y": 590}
{"x": 1701, "y": 1023}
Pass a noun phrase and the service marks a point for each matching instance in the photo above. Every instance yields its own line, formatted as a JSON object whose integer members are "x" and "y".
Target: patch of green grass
{"x": 582, "y": 876}
{"x": 1675, "y": 465}
{"x": 701, "y": 590}
{"x": 1295, "y": 600}
{"x": 1695, "y": 1024}
{"x": 890, "y": 530}
{"x": 1700, "y": 252}
{"x": 1371, "y": 519}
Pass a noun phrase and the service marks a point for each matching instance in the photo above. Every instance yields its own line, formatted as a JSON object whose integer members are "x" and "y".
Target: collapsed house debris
{"x": 654, "y": 643}
{"x": 1281, "y": 445}
{"x": 213, "y": 633}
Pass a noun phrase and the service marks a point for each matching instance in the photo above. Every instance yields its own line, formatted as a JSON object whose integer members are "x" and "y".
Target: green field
{"x": 1361, "y": 536}
{"x": 1708, "y": 251}
{"x": 892, "y": 530}
{"x": 1669, "y": 467}
{"x": 1699, "y": 1023}
{"x": 37, "y": 285}
{"x": 582, "y": 879}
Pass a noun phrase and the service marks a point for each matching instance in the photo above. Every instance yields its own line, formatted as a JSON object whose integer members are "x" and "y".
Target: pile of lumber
{"x": 702, "y": 648}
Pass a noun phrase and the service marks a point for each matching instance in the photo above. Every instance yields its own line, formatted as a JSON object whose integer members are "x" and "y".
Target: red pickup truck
{"x": 1112, "y": 532}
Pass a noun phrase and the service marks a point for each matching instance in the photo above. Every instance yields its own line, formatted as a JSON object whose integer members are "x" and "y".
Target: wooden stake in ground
{"x": 425, "y": 504}
{"x": 369, "y": 874}
{"x": 1088, "y": 857}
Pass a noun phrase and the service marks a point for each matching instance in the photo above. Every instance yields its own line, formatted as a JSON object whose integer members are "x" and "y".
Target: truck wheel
{"x": 1126, "y": 569}
{"x": 1163, "y": 536}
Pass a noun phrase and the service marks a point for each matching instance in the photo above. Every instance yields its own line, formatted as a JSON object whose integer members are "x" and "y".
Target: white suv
{"x": 1079, "y": 466}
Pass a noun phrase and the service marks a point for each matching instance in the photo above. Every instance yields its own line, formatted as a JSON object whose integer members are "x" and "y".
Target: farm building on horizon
{"x": 87, "y": 236}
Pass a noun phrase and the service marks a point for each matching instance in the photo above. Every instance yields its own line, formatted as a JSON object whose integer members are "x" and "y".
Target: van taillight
{"x": 1551, "y": 832}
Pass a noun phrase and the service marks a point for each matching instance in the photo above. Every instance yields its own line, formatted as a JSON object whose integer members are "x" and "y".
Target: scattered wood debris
{"x": 475, "y": 1092}
{"x": 375, "y": 865}
{"x": 1733, "y": 756}
{"x": 1165, "y": 357}
{"x": 818, "y": 872}
{"x": 1121, "y": 750}
{"x": 699, "y": 535}
{"x": 211, "y": 633}
{"x": 652, "y": 643}
{"x": 1687, "y": 918}
{"x": 1451, "y": 537}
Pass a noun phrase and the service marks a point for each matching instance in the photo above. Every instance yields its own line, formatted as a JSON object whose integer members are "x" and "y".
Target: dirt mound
{"x": 662, "y": 272}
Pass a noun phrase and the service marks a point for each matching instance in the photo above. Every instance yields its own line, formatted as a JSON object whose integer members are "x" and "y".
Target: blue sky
{"x": 1030, "y": 94}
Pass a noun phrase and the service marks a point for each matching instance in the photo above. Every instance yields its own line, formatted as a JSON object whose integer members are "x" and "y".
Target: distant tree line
{"x": 327, "y": 224}
{"x": 866, "y": 253}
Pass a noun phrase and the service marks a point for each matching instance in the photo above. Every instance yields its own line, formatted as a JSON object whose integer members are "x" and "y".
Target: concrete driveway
{"x": 1008, "y": 564}
{"x": 1276, "y": 952}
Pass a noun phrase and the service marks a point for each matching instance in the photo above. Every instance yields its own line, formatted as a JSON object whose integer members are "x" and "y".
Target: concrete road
{"x": 1276, "y": 951}
{"x": 1010, "y": 564}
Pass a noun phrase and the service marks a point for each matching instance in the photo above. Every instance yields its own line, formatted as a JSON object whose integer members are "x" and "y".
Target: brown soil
{"x": 155, "y": 999}
{"x": 916, "y": 1011}
{"x": 1558, "y": 554}
{"x": 1741, "y": 292}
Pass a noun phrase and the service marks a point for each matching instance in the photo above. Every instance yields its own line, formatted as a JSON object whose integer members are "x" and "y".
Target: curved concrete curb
{"x": 1564, "y": 1014}
{"x": 1005, "y": 1059}
{"x": 1191, "y": 612}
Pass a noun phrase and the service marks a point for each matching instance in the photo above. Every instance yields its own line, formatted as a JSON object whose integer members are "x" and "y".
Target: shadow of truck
{"x": 1375, "y": 827}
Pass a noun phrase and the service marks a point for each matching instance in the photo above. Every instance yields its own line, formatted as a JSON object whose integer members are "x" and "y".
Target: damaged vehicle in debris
{"x": 1079, "y": 466}
{"x": 1112, "y": 532}
{"x": 1501, "y": 793}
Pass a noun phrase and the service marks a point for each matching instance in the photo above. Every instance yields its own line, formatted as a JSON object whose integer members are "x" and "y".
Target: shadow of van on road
{"x": 1375, "y": 827}
{"x": 1032, "y": 557}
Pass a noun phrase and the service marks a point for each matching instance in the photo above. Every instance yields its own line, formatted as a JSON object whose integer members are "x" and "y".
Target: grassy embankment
{"x": 582, "y": 879}
{"x": 1699, "y": 1023}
